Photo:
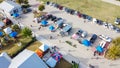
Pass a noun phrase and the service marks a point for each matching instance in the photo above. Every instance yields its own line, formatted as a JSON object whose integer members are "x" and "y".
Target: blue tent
{"x": 16, "y": 15}
{"x": 51, "y": 28}
{"x": 86, "y": 42}
{"x": 1, "y": 33}
{"x": 13, "y": 34}
{"x": 99, "y": 49}
{"x": 44, "y": 22}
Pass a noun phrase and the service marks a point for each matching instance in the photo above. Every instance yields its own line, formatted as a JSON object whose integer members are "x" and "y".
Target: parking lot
{"x": 82, "y": 53}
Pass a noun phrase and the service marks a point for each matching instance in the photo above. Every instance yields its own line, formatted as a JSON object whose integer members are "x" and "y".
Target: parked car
{"x": 81, "y": 33}
{"x": 53, "y": 18}
{"x": 47, "y": 2}
{"x": 93, "y": 38}
{"x": 117, "y": 29}
{"x": 49, "y": 16}
{"x": 117, "y": 21}
{"x": 84, "y": 34}
{"x": 105, "y": 38}
{"x": 105, "y": 24}
{"x": 99, "y": 22}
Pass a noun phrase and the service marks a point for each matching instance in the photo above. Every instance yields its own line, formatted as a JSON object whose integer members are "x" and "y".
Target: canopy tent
{"x": 44, "y": 47}
{"x": 86, "y": 42}
{"x": 57, "y": 56}
{"x": 59, "y": 23}
{"x": 15, "y": 15}
{"x": 1, "y": 24}
{"x": 51, "y": 28}
{"x": 99, "y": 49}
{"x": 39, "y": 53}
{"x": 51, "y": 62}
{"x": 13, "y": 34}
{"x": 8, "y": 30}
{"x": 44, "y": 22}
{"x": 1, "y": 33}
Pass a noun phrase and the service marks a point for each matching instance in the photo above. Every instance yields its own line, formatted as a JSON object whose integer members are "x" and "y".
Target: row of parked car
{"x": 59, "y": 22}
{"x": 86, "y": 17}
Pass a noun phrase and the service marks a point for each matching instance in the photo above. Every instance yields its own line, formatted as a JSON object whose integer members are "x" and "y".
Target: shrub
{"x": 41, "y": 7}
{"x": 68, "y": 42}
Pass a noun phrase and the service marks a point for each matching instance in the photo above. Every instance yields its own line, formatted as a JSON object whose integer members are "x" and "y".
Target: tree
{"x": 22, "y": 1}
{"x": 19, "y": 1}
{"x": 26, "y": 32}
{"x": 16, "y": 28}
{"x": 114, "y": 51}
{"x": 41, "y": 7}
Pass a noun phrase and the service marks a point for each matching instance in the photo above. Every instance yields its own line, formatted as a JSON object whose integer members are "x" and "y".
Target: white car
{"x": 105, "y": 38}
{"x": 117, "y": 21}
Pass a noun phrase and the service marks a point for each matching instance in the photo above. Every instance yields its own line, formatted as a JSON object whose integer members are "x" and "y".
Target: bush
{"x": 68, "y": 42}
{"x": 41, "y": 7}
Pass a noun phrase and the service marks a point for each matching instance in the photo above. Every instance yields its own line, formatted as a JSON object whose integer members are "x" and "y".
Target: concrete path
{"x": 81, "y": 54}
{"x": 112, "y": 2}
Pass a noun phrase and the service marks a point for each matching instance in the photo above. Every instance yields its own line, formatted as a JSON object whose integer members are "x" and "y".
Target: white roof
{"x": 44, "y": 47}
{"x": 27, "y": 59}
{"x": 8, "y": 30}
{"x": 5, "y": 60}
{"x": 8, "y": 5}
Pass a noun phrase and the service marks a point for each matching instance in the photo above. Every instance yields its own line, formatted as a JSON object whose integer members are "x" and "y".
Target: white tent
{"x": 44, "y": 47}
{"x": 27, "y": 59}
{"x": 1, "y": 24}
{"x": 8, "y": 30}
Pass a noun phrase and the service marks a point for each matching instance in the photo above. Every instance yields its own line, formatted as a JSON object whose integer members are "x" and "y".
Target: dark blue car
{"x": 93, "y": 38}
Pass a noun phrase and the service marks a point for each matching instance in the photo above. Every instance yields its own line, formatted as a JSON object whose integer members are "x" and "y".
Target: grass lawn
{"x": 34, "y": 46}
{"x": 12, "y": 48}
{"x": 95, "y": 8}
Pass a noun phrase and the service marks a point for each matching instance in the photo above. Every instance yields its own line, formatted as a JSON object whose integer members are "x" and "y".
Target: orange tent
{"x": 39, "y": 52}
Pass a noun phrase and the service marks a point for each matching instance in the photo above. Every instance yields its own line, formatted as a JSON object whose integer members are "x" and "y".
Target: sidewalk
{"x": 113, "y": 2}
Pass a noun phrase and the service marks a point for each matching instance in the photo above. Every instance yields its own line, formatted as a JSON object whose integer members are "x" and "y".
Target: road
{"x": 112, "y": 2}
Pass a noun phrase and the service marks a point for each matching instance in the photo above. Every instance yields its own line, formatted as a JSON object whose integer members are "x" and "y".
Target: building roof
{"x": 5, "y": 60}
{"x": 27, "y": 59}
{"x": 8, "y": 5}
